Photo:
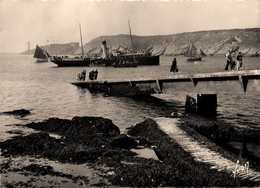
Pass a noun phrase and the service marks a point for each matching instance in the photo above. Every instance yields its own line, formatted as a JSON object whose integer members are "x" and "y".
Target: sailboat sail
{"x": 202, "y": 53}
{"x": 191, "y": 50}
{"x": 39, "y": 53}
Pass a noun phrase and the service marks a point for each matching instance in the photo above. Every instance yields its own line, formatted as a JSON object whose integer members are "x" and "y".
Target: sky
{"x": 44, "y": 22}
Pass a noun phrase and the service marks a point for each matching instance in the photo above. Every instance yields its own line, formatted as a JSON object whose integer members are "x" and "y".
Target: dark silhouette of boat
{"x": 66, "y": 61}
{"x": 202, "y": 53}
{"x": 194, "y": 59}
{"x": 192, "y": 53}
{"x": 40, "y": 55}
{"x": 255, "y": 54}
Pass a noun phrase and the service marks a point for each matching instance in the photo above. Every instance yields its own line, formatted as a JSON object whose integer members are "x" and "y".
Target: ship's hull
{"x": 41, "y": 60}
{"x": 194, "y": 59}
{"x": 71, "y": 62}
{"x": 127, "y": 64}
{"x": 116, "y": 61}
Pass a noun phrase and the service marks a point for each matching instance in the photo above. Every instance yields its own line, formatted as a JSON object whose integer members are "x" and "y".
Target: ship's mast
{"x": 81, "y": 41}
{"x": 131, "y": 38}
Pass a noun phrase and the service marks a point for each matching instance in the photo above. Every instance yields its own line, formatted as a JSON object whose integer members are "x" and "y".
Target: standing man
{"x": 229, "y": 60}
{"x": 239, "y": 59}
{"x": 174, "y": 66}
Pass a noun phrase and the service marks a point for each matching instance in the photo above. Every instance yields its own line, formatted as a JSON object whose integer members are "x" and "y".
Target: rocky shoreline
{"x": 96, "y": 141}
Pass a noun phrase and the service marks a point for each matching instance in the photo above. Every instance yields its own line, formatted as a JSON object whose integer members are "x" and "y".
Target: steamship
{"x": 124, "y": 59}
{"x": 118, "y": 59}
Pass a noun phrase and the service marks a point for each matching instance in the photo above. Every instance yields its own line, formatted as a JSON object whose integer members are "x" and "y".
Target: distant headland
{"x": 211, "y": 42}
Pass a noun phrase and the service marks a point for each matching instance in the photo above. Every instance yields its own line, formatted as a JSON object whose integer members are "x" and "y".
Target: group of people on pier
{"x": 234, "y": 65}
{"x": 92, "y": 75}
{"x": 82, "y": 75}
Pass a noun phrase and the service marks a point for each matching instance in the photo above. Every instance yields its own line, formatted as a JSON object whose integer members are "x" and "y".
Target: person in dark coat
{"x": 91, "y": 75}
{"x": 83, "y": 75}
{"x": 239, "y": 59}
{"x": 95, "y": 74}
{"x": 174, "y": 66}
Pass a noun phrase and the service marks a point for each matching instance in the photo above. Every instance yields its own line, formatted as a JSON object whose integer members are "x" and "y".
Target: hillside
{"x": 211, "y": 42}
{"x": 58, "y": 49}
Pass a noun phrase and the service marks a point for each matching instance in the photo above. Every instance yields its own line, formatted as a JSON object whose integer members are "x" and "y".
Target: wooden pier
{"x": 205, "y": 85}
{"x": 247, "y": 81}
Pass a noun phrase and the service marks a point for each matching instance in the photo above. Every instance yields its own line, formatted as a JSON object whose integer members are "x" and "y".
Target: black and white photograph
{"x": 129, "y": 93}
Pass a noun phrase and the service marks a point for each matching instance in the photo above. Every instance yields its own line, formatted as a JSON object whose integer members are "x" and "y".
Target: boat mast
{"x": 81, "y": 41}
{"x": 131, "y": 38}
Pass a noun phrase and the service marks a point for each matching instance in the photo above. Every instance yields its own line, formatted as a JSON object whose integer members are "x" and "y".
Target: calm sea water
{"x": 45, "y": 90}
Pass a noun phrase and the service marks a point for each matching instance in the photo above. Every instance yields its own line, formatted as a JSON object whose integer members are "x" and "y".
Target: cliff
{"x": 58, "y": 49}
{"x": 211, "y": 42}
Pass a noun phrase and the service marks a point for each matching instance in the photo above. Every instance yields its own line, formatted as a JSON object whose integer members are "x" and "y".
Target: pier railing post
{"x": 207, "y": 103}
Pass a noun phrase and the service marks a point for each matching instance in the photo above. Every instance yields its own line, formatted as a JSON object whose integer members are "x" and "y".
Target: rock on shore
{"x": 20, "y": 112}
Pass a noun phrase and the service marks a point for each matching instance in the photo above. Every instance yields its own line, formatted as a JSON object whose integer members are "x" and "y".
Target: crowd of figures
{"x": 92, "y": 75}
{"x": 234, "y": 65}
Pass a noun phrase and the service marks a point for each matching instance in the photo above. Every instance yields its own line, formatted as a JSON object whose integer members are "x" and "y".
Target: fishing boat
{"x": 194, "y": 59}
{"x": 40, "y": 55}
{"x": 67, "y": 61}
{"x": 202, "y": 53}
{"x": 192, "y": 53}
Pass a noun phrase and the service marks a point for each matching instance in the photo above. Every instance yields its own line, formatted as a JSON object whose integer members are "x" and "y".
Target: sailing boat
{"x": 192, "y": 52}
{"x": 202, "y": 53}
{"x": 65, "y": 61}
{"x": 40, "y": 54}
{"x": 128, "y": 62}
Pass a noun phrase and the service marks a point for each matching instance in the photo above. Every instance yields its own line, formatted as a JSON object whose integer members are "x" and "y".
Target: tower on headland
{"x": 28, "y": 43}
{"x": 104, "y": 45}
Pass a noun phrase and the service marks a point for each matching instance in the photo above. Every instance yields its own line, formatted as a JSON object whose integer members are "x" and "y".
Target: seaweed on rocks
{"x": 42, "y": 170}
{"x": 182, "y": 165}
{"x": 33, "y": 144}
{"x": 220, "y": 132}
{"x": 124, "y": 142}
{"x": 78, "y": 126}
{"x": 97, "y": 141}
